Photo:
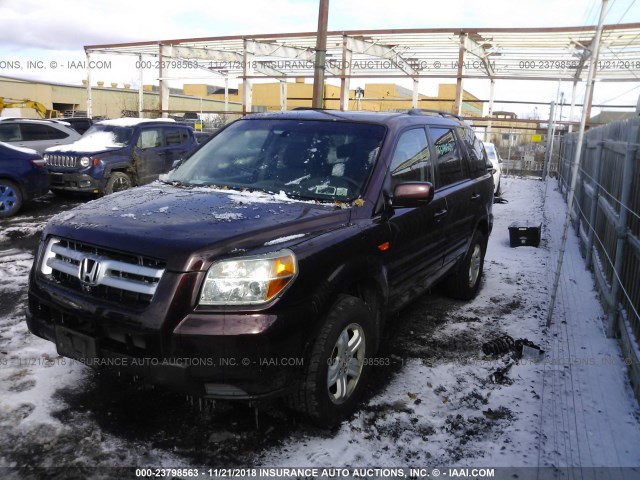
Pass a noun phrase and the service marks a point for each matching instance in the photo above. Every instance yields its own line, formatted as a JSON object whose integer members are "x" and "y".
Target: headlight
{"x": 249, "y": 280}
{"x": 85, "y": 161}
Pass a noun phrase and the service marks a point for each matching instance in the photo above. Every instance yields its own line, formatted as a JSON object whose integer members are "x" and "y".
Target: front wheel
{"x": 118, "y": 181}
{"x": 336, "y": 374}
{"x": 464, "y": 282}
{"x": 10, "y": 198}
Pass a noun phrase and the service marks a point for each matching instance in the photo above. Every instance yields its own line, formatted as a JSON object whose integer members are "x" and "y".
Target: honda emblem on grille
{"x": 89, "y": 270}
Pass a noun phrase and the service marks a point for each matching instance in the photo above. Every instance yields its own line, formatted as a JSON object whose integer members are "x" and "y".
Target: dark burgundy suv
{"x": 267, "y": 263}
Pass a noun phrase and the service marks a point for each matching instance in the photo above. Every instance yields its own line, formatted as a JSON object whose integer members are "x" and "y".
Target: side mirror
{"x": 412, "y": 194}
{"x": 177, "y": 163}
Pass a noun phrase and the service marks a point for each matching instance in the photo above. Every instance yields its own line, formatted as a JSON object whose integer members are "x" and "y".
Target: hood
{"x": 186, "y": 227}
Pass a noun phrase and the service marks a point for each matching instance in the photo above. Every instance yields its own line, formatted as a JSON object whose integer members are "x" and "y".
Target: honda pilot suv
{"x": 115, "y": 155}
{"x": 267, "y": 263}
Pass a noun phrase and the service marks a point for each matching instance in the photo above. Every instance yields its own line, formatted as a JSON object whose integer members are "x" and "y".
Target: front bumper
{"x": 75, "y": 182}
{"x": 241, "y": 356}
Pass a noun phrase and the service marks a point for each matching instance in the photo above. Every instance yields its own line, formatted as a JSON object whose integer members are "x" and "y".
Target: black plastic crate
{"x": 524, "y": 234}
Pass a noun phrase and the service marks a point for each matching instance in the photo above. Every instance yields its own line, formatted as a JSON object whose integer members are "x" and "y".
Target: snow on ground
{"x": 435, "y": 398}
{"x": 445, "y": 410}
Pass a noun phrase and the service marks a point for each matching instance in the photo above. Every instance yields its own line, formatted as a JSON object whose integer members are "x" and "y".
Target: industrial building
{"x": 112, "y": 101}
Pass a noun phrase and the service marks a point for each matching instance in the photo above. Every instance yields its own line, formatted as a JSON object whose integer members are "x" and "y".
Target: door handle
{"x": 440, "y": 214}
{"x": 475, "y": 196}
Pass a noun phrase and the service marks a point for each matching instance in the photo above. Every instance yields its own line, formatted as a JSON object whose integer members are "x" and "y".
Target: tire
{"x": 336, "y": 371}
{"x": 117, "y": 182}
{"x": 464, "y": 282}
{"x": 498, "y": 191}
{"x": 10, "y": 198}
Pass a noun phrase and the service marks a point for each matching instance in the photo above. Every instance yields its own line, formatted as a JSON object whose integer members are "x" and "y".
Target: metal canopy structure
{"x": 489, "y": 53}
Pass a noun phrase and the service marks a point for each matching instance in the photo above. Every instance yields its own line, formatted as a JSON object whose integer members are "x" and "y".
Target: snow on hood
{"x": 96, "y": 142}
{"x": 165, "y": 221}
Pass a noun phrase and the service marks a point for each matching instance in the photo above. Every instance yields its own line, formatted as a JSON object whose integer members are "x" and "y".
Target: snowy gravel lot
{"x": 436, "y": 399}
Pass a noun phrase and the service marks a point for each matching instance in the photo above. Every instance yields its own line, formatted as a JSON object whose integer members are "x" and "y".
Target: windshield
{"x": 107, "y": 135}
{"x": 319, "y": 160}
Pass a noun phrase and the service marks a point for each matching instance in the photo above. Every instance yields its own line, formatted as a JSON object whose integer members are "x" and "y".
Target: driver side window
{"x": 149, "y": 139}
{"x": 411, "y": 161}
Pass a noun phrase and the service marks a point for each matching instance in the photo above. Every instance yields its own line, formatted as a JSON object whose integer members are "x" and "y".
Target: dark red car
{"x": 268, "y": 262}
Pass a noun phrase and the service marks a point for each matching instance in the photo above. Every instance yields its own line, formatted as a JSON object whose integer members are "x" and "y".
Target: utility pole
{"x": 321, "y": 52}
{"x": 576, "y": 159}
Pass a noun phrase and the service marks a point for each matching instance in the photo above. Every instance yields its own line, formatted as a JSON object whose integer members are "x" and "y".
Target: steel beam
{"x": 375, "y": 50}
{"x": 474, "y": 48}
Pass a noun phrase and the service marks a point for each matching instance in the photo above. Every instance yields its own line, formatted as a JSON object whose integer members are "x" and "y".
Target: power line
{"x": 622, "y": 94}
{"x": 626, "y": 11}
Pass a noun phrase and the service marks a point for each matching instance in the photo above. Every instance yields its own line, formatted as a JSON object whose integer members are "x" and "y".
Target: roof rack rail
{"x": 426, "y": 111}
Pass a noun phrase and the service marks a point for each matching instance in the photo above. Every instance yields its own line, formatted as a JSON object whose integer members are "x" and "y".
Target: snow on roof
{"x": 130, "y": 122}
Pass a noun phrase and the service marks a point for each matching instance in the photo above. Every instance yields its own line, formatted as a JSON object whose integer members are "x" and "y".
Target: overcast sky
{"x": 58, "y": 30}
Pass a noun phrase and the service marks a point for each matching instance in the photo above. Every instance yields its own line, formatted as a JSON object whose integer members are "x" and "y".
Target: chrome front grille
{"x": 106, "y": 274}
{"x": 59, "y": 160}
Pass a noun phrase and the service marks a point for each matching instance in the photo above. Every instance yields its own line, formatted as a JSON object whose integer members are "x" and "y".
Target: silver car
{"x": 496, "y": 161}
{"x": 36, "y": 134}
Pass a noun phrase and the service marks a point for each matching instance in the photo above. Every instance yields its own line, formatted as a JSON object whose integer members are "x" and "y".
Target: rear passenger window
{"x": 477, "y": 156}
{"x": 40, "y": 132}
{"x": 411, "y": 160}
{"x": 175, "y": 136}
{"x": 10, "y": 133}
{"x": 449, "y": 162}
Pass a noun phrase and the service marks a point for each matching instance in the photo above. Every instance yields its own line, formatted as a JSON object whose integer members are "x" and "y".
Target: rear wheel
{"x": 10, "y": 198}
{"x": 334, "y": 379}
{"x": 464, "y": 282}
{"x": 118, "y": 181}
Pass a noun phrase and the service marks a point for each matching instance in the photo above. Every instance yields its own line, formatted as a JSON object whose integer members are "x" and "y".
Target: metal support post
{"x": 576, "y": 166}
{"x": 547, "y": 155}
{"x": 164, "y": 84}
{"x": 283, "y": 95}
{"x": 594, "y": 203}
{"x": 321, "y": 51}
{"x": 247, "y": 69}
{"x": 622, "y": 227}
{"x": 346, "y": 72}
{"x": 89, "y": 92}
{"x": 459, "y": 80}
{"x": 490, "y": 114}
{"x": 414, "y": 98}
{"x": 140, "y": 87}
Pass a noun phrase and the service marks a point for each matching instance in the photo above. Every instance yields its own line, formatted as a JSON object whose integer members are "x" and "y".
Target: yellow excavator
{"x": 43, "y": 111}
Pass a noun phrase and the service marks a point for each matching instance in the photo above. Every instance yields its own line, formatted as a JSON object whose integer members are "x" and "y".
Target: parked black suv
{"x": 79, "y": 124}
{"x": 115, "y": 155}
{"x": 268, "y": 262}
